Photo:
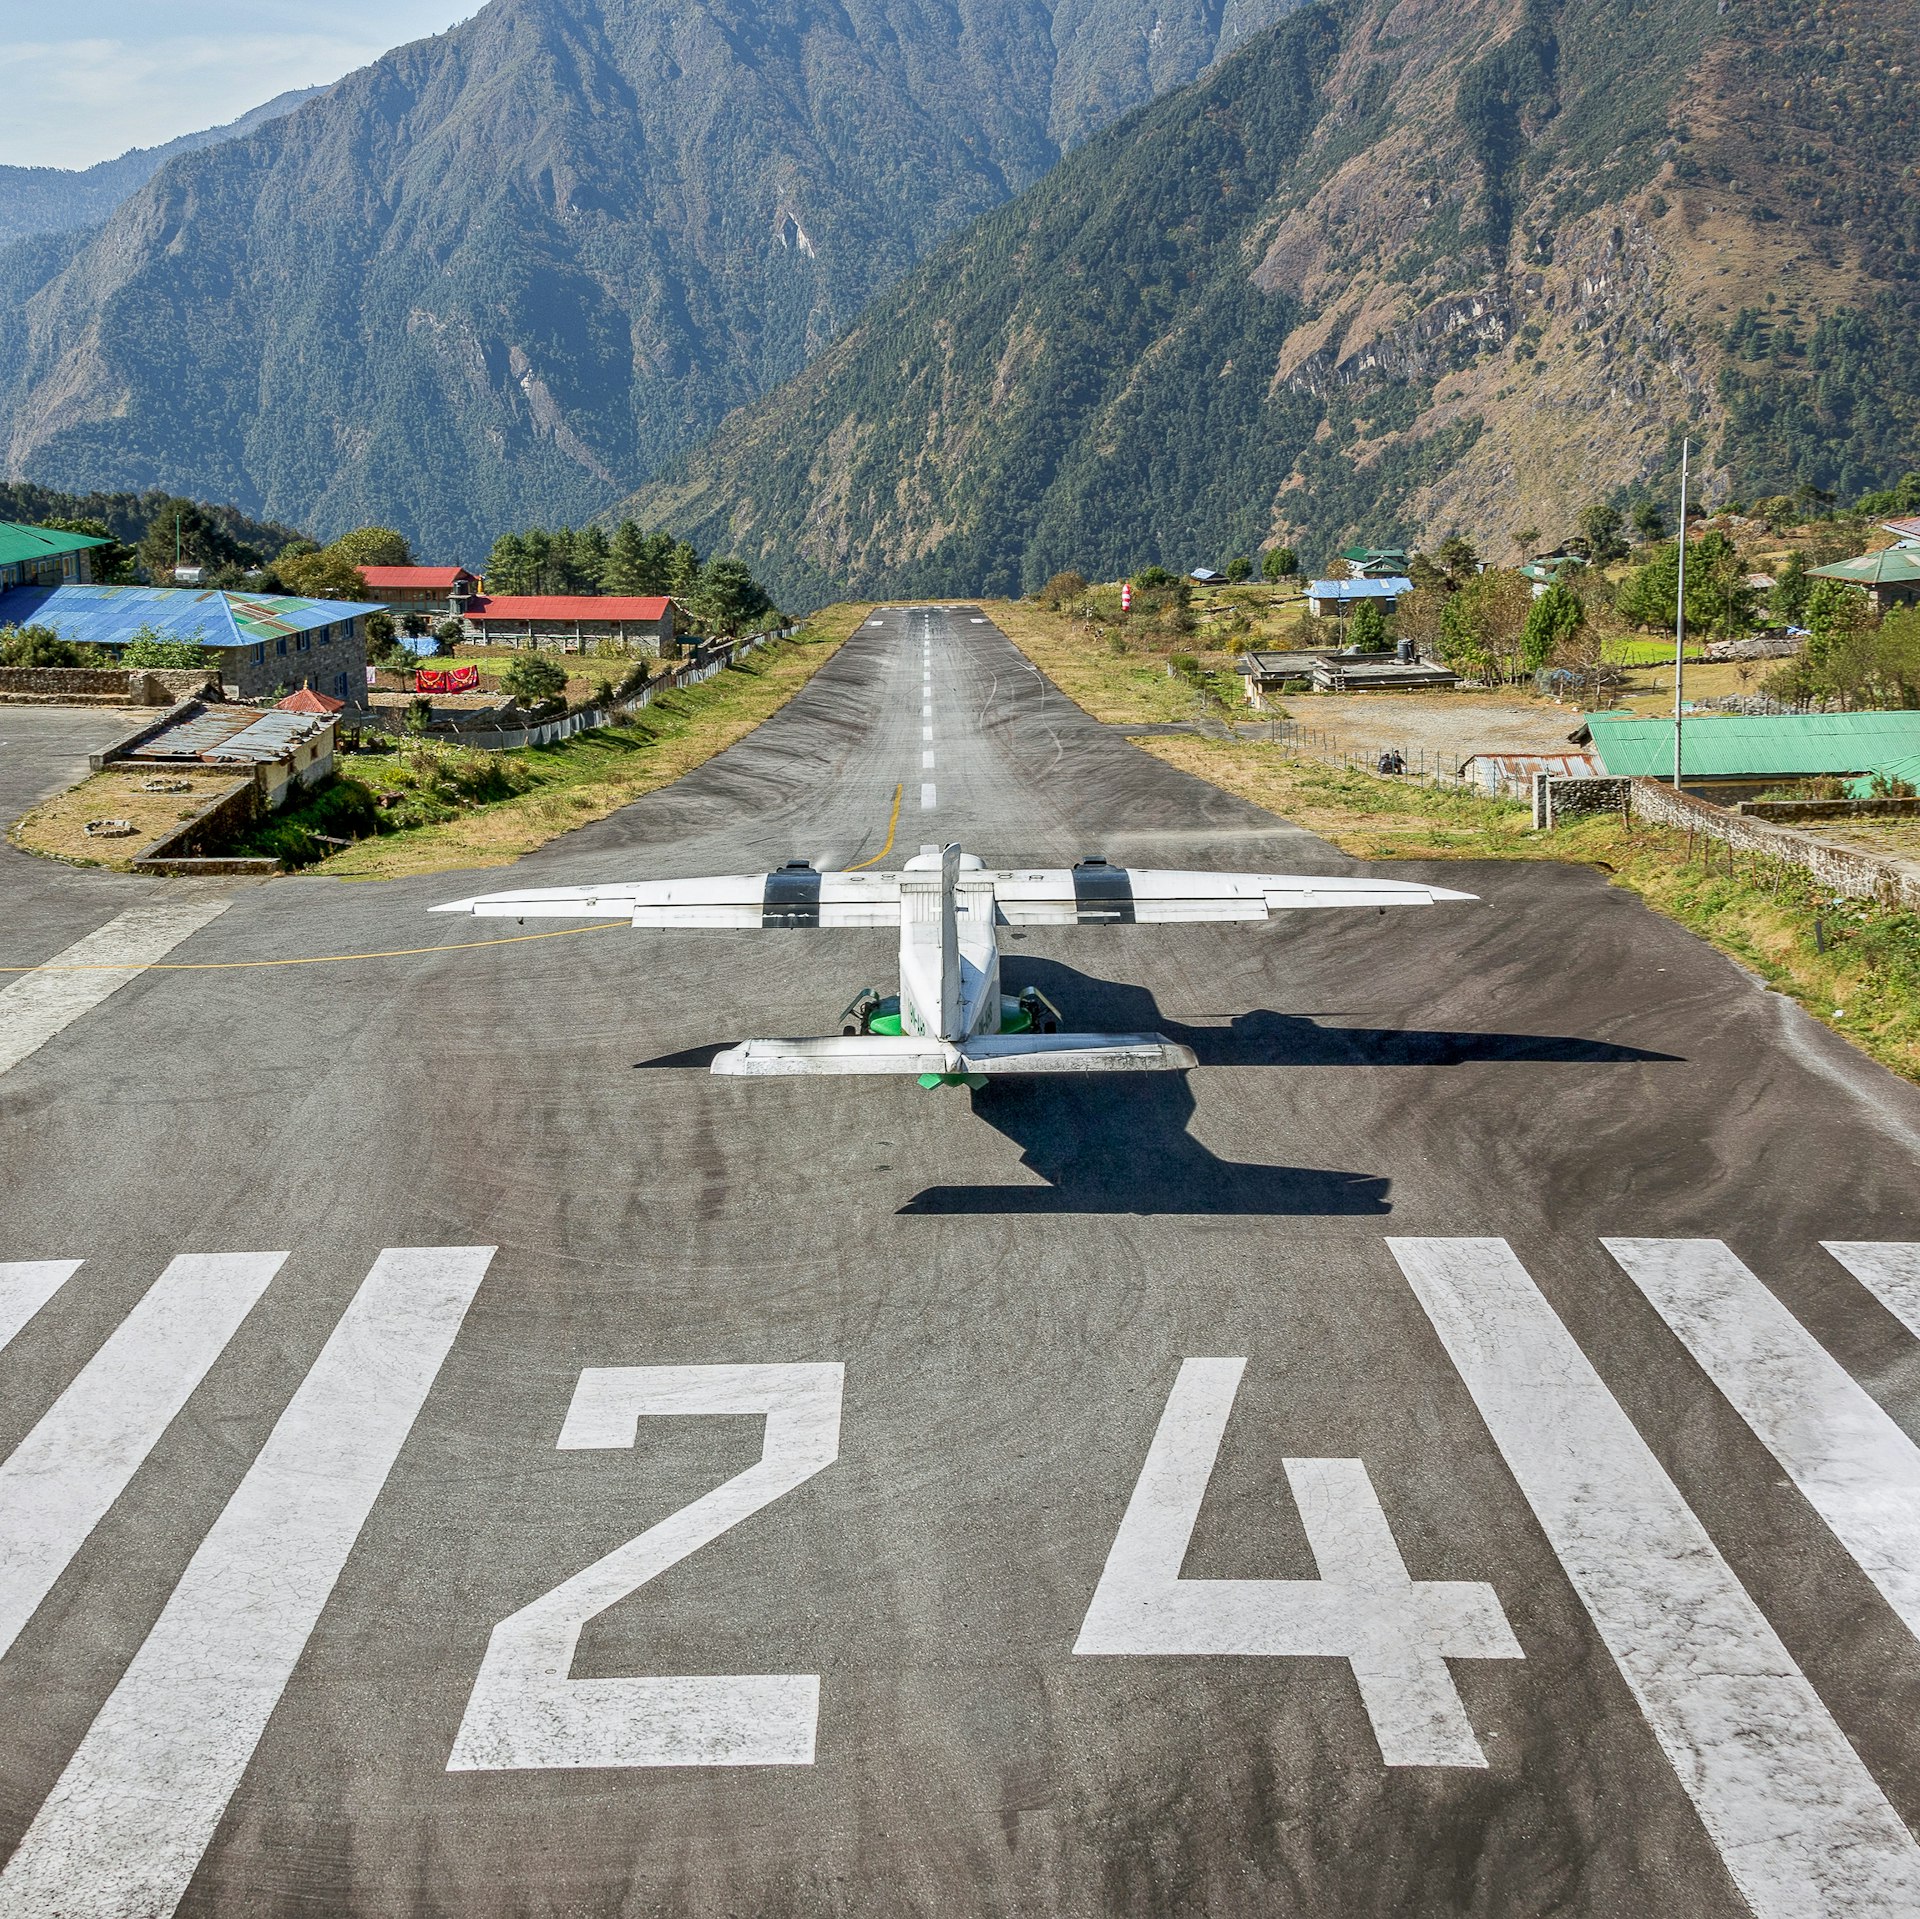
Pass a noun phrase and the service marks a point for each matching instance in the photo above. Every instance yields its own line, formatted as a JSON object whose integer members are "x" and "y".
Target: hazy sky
{"x": 87, "y": 82}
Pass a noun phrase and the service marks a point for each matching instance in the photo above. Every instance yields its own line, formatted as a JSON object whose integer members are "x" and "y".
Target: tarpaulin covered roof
{"x": 20, "y": 542}
{"x": 112, "y": 615}
{"x": 1757, "y": 746}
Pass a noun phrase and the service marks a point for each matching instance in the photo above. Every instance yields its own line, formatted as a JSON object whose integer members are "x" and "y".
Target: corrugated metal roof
{"x": 233, "y": 733}
{"x": 1908, "y": 770}
{"x": 21, "y": 542}
{"x": 1891, "y": 566}
{"x": 1389, "y": 588}
{"x": 1757, "y": 746}
{"x": 568, "y": 606}
{"x": 397, "y": 576}
{"x": 112, "y": 615}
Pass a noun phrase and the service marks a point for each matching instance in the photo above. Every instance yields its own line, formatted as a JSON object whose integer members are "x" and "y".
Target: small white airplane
{"x": 950, "y": 1024}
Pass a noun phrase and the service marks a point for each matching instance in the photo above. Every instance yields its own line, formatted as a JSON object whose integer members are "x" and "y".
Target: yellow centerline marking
{"x": 892, "y": 825}
{"x": 317, "y": 959}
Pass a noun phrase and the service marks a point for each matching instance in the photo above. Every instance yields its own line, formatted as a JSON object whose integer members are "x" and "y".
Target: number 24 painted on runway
{"x": 526, "y": 1711}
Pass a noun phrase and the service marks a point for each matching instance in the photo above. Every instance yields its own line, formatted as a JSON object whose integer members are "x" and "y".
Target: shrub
{"x": 1239, "y": 568}
{"x": 1063, "y": 589}
{"x": 147, "y": 648}
{"x": 1155, "y": 576}
{"x": 41, "y": 646}
{"x": 1367, "y": 630}
{"x": 380, "y": 629}
{"x": 1279, "y": 563}
{"x": 534, "y": 679}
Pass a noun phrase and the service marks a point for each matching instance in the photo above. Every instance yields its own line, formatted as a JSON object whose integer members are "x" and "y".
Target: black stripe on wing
{"x": 1102, "y": 894}
{"x": 791, "y": 897}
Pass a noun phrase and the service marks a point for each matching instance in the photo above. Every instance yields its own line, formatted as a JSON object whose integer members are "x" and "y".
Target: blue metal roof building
{"x": 1334, "y": 597}
{"x": 266, "y": 642}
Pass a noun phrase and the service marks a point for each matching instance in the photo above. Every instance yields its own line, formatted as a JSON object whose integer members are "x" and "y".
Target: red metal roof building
{"x": 306, "y": 700}
{"x": 569, "y": 621}
{"x": 421, "y": 589}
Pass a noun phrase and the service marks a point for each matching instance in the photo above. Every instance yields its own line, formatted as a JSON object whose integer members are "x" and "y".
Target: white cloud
{"x": 74, "y": 100}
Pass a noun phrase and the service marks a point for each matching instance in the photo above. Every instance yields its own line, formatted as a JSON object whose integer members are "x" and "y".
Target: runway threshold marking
{"x": 1798, "y": 1820}
{"x": 49, "y": 998}
{"x": 25, "y": 1286}
{"x": 1852, "y": 1464}
{"x": 124, "y": 1828}
{"x": 57, "y": 1484}
{"x": 1888, "y": 1270}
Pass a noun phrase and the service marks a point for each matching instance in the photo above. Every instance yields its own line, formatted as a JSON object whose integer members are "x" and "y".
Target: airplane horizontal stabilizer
{"x": 999, "y": 1055}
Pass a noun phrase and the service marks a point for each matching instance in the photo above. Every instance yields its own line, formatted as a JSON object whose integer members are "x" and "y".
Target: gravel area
{"x": 1447, "y": 726}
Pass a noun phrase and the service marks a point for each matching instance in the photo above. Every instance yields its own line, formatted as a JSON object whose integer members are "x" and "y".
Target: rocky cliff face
{"x": 1400, "y": 267}
{"x": 502, "y": 274}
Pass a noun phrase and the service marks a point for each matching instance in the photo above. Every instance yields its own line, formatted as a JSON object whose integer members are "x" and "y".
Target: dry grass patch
{"x": 56, "y": 828}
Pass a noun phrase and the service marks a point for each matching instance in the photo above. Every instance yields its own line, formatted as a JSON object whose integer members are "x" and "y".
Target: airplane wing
{"x": 789, "y": 897}
{"x": 1096, "y": 894}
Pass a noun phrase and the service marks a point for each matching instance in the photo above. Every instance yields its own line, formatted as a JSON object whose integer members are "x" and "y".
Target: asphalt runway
{"x": 459, "y": 1457}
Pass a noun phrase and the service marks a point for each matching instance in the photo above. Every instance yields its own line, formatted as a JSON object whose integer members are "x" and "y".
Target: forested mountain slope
{"x": 501, "y": 274}
{"x": 59, "y": 199}
{"x": 1397, "y": 267}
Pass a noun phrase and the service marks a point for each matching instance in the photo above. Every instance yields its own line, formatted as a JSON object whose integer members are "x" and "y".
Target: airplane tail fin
{"x": 992, "y": 1055}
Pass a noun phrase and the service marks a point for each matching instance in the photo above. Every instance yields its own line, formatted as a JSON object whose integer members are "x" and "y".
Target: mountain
{"x": 59, "y": 199}
{"x": 502, "y": 274}
{"x": 1395, "y": 268}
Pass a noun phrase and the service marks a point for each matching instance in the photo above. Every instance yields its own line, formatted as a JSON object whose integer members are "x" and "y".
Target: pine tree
{"x": 683, "y": 572}
{"x": 626, "y": 558}
{"x": 539, "y": 561}
{"x": 563, "y": 567}
{"x": 656, "y": 563}
{"x": 590, "y": 554}
{"x": 507, "y": 567}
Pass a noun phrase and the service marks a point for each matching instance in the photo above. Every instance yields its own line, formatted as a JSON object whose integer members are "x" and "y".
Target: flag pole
{"x": 1680, "y": 615}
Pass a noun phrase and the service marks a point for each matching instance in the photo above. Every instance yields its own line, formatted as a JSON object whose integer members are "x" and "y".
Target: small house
{"x": 1334, "y": 599}
{"x": 1375, "y": 562}
{"x": 1890, "y": 577}
{"x": 439, "y": 592}
{"x": 44, "y": 556}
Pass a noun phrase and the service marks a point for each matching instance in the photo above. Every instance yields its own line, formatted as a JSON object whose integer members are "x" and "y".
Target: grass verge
{"x": 430, "y": 809}
{"x": 56, "y": 828}
{"x": 1854, "y": 966}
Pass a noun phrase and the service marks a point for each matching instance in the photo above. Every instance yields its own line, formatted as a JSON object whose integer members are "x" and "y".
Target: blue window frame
{"x": 280, "y": 646}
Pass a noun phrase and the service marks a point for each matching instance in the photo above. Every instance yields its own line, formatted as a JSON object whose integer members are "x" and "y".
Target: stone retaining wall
{"x": 1557, "y": 799}
{"x": 226, "y": 813}
{"x": 107, "y": 685}
{"x": 1787, "y": 812}
{"x": 1848, "y": 870}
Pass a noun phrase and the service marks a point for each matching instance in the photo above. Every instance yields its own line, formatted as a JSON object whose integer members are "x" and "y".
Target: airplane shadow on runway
{"x": 1118, "y": 1143}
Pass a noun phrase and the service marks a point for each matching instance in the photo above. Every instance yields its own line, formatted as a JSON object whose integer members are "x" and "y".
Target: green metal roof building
{"x": 1891, "y": 576}
{"x": 43, "y": 556}
{"x": 1722, "y": 751}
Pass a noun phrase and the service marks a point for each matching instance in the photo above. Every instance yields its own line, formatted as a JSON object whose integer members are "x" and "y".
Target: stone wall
{"x": 1848, "y": 870}
{"x": 1566, "y": 799}
{"x": 107, "y": 685}
{"x": 212, "y": 823}
{"x": 1789, "y": 812}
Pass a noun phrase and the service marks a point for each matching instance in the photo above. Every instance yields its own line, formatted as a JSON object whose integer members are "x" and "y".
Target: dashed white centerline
{"x": 926, "y": 760}
{"x": 926, "y": 732}
{"x": 40, "y": 1004}
{"x": 926, "y": 798}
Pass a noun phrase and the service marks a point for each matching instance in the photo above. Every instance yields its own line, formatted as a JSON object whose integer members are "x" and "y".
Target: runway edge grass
{"x": 463, "y": 808}
{"x": 1853, "y": 965}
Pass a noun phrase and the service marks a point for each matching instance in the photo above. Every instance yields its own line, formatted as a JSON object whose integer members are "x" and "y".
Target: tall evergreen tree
{"x": 509, "y": 567}
{"x": 539, "y": 561}
{"x": 683, "y": 571}
{"x": 624, "y": 571}
{"x": 590, "y": 554}
{"x": 563, "y": 570}
{"x": 656, "y": 563}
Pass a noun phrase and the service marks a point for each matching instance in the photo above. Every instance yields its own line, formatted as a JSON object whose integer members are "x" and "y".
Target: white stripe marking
{"x": 39, "y": 1004}
{"x": 122, "y": 1832}
{"x": 77, "y": 1461}
{"x": 979, "y": 622}
{"x": 1395, "y": 1632}
{"x": 926, "y": 732}
{"x": 1799, "y": 1821}
{"x": 926, "y": 798}
{"x": 1854, "y": 1466}
{"x": 25, "y": 1286}
{"x": 926, "y": 760}
{"x": 926, "y": 712}
{"x": 1889, "y": 1270}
